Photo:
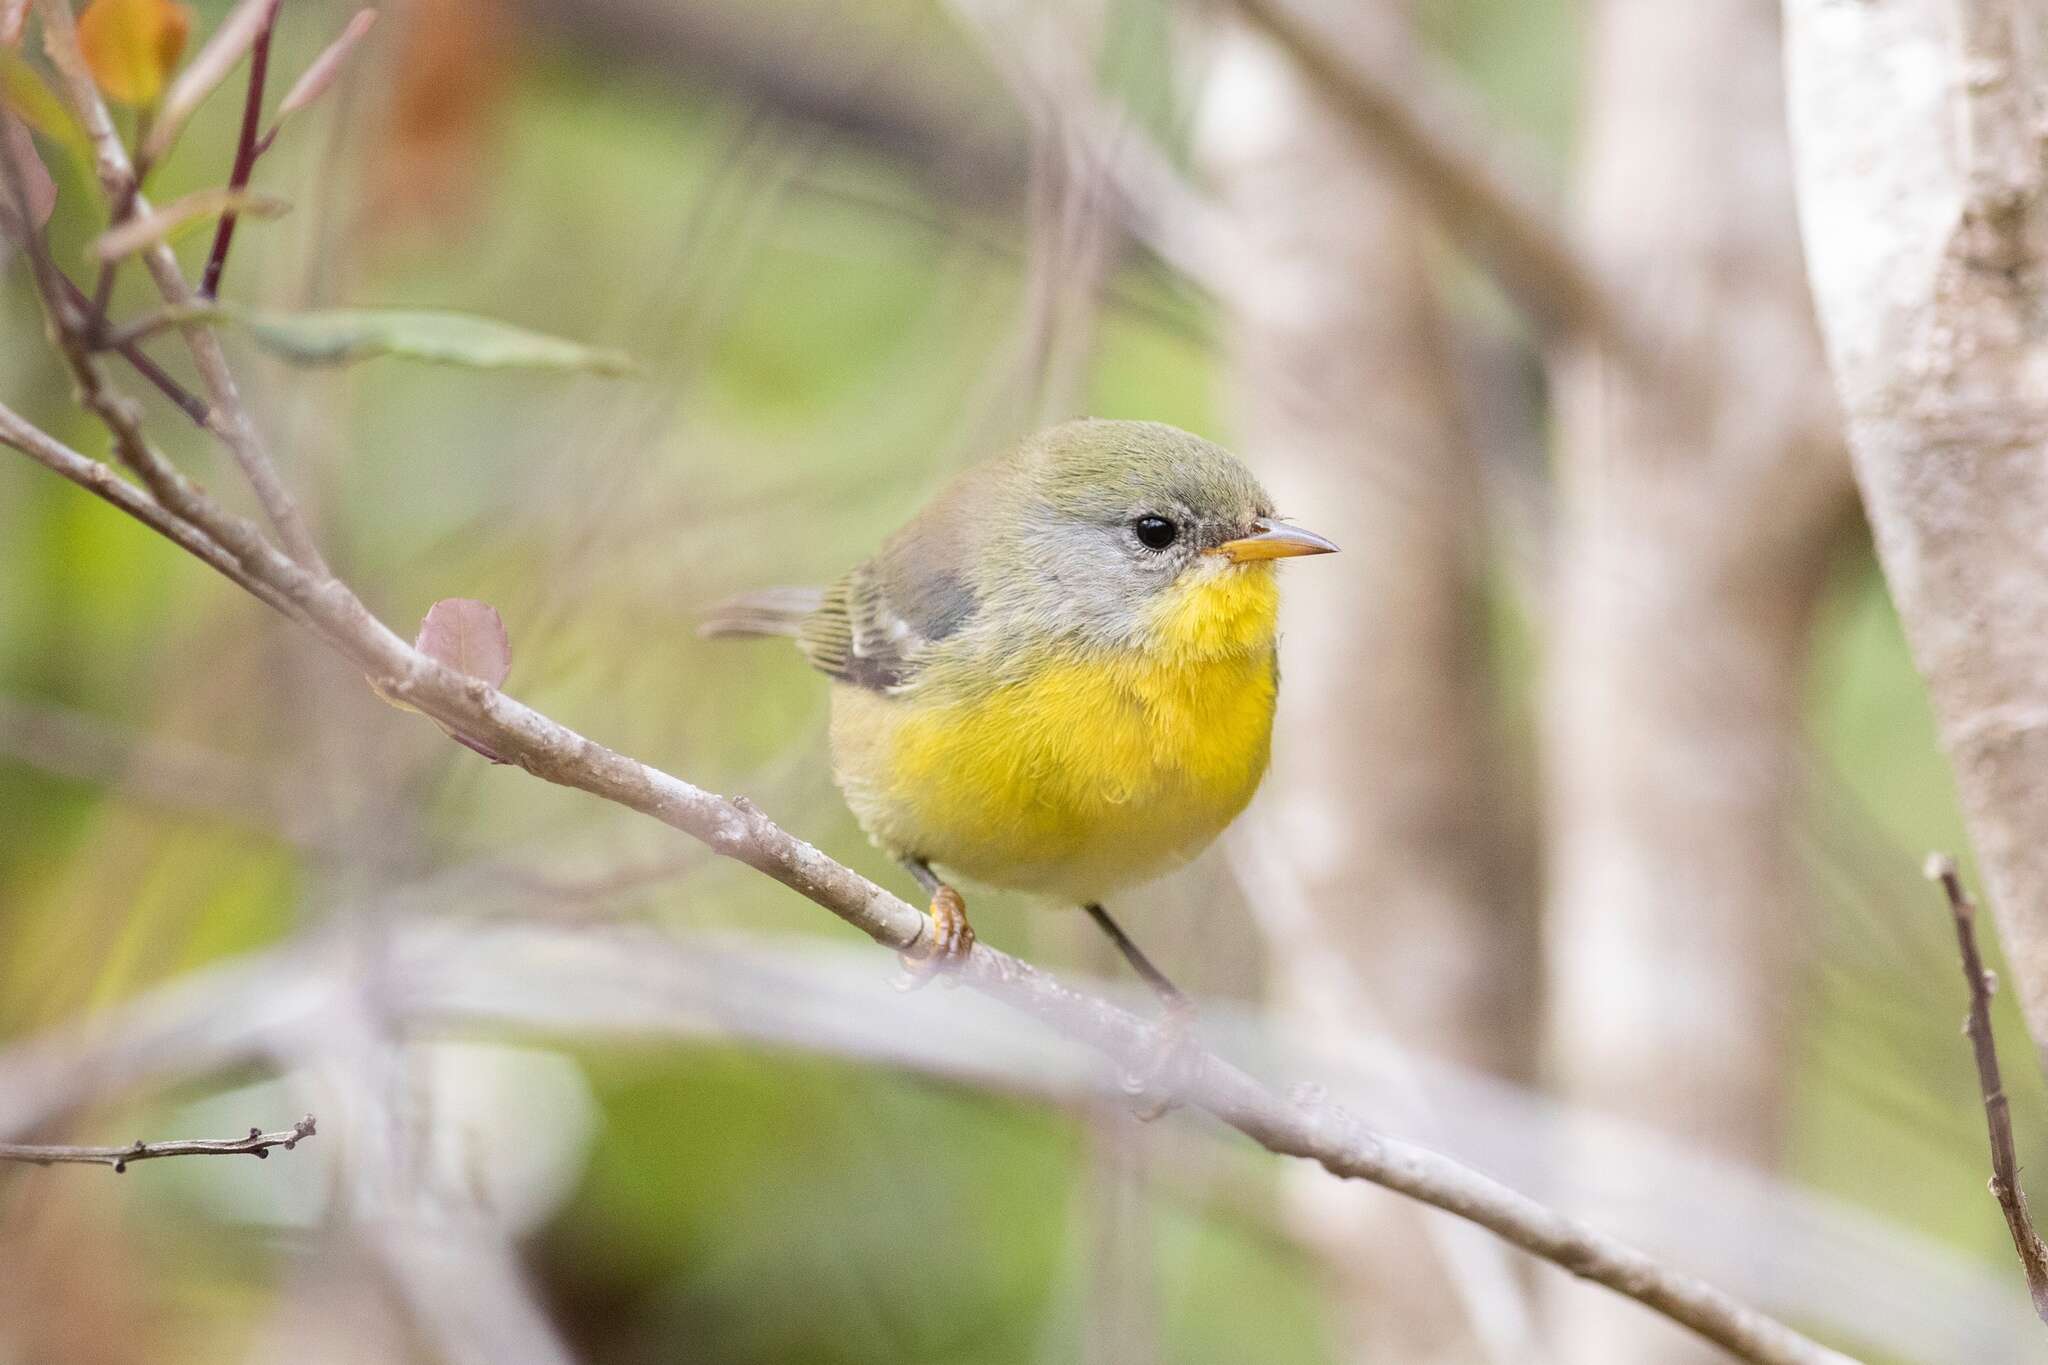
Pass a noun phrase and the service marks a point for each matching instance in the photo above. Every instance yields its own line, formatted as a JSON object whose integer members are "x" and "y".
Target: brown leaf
{"x": 133, "y": 46}
{"x": 16, "y": 144}
{"x": 468, "y": 636}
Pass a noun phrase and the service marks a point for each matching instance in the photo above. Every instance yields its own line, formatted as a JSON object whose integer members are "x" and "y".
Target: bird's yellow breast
{"x": 1089, "y": 769}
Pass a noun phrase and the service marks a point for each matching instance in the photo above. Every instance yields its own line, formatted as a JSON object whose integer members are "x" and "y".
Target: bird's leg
{"x": 1171, "y": 996}
{"x": 1176, "y": 1024}
{"x": 952, "y": 937}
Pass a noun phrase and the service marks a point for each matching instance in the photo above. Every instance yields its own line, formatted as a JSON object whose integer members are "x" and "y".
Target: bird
{"x": 1059, "y": 677}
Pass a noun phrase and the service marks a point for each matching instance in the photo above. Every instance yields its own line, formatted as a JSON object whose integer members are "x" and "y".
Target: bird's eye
{"x": 1155, "y": 532}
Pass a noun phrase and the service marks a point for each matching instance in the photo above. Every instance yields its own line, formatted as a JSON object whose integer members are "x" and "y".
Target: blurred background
{"x": 1590, "y": 854}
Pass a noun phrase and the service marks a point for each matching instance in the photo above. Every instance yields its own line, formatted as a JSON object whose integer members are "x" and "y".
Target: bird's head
{"x": 1149, "y": 537}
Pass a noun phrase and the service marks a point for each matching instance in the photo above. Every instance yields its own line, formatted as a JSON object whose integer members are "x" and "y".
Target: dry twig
{"x": 1445, "y": 155}
{"x": 2005, "y": 1166}
{"x": 257, "y": 1144}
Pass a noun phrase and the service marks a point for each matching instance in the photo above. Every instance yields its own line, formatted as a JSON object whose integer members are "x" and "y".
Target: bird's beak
{"x": 1273, "y": 540}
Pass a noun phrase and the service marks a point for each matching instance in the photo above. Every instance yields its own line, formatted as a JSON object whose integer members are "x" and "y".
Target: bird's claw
{"x": 951, "y": 940}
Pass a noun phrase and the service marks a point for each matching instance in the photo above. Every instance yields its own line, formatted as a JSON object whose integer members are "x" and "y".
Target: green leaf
{"x": 343, "y": 336}
{"x": 23, "y": 90}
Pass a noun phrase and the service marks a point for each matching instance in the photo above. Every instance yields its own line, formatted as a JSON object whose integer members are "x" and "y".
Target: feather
{"x": 771, "y": 611}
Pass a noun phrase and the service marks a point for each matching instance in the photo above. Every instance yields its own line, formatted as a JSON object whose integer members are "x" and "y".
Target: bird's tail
{"x": 772, "y": 611}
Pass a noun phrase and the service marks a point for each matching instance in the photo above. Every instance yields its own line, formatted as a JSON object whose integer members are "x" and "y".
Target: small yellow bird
{"x": 1059, "y": 677}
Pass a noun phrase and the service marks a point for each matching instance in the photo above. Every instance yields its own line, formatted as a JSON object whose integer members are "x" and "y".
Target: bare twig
{"x": 257, "y": 1144}
{"x": 171, "y": 776}
{"x": 318, "y": 75}
{"x": 246, "y": 150}
{"x": 129, "y": 347}
{"x": 1424, "y": 128}
{"x": 2005, "y": 1166}
{"x": 72, "y": 313}
{"x": 102, "y": 482}
{"x": 1057, "y": 91}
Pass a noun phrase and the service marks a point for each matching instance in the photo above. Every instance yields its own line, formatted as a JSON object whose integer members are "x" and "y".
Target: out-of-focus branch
{"x": 1050, "y": 79}
{"x": 71, "y": 744}
{"x": 2005, "y": 1163}
{"x": 798, "y": 66}
{"x": 257, "y": 1144}
{"x": 1424, "y": 128}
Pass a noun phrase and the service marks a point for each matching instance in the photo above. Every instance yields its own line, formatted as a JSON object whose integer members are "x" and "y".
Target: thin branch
{"x": 246, "y": 151}
{"x": 175, "y": 777}
{"x": 1060, "y": 96}
{"x": 2005, "y": 1165}
{"x": 102, "y": 482}
{"x": 1424, "y": 128}
{"x": 228, "y": 418}
{"x": 129, "y": 348}
{"x": 257, "y": 1144}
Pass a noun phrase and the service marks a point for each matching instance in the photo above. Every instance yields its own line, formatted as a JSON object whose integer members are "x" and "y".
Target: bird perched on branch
{"x": 1059, "y": 677}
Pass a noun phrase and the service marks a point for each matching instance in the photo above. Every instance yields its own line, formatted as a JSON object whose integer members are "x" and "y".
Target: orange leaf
{"x": 132, "y": 46}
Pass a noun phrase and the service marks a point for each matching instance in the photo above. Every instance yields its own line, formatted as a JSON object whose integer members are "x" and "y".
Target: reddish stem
{"x": 247, "y": 149}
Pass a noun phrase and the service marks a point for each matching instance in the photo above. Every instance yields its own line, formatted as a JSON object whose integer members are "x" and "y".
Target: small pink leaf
{"x": 20, "y": 148}
{"x": 13, "y": 18}
{"x": 468, "y": 636}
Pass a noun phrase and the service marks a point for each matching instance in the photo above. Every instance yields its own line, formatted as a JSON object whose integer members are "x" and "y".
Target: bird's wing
{"x": 878, "y": 623}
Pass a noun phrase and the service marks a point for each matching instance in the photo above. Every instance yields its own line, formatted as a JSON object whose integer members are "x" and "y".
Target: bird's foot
{"x": 1154, "y": 1085}
{"x": 950, "y": 938}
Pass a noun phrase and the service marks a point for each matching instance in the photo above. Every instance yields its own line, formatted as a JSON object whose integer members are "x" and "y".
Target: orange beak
{"x": 1273, "y": 540}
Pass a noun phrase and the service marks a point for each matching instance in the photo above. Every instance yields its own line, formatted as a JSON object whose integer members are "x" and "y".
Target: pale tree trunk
{"x": 1916, "y": 126}
{"x": 1697, "y": 488}
{"x": 1399, "y": 915}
